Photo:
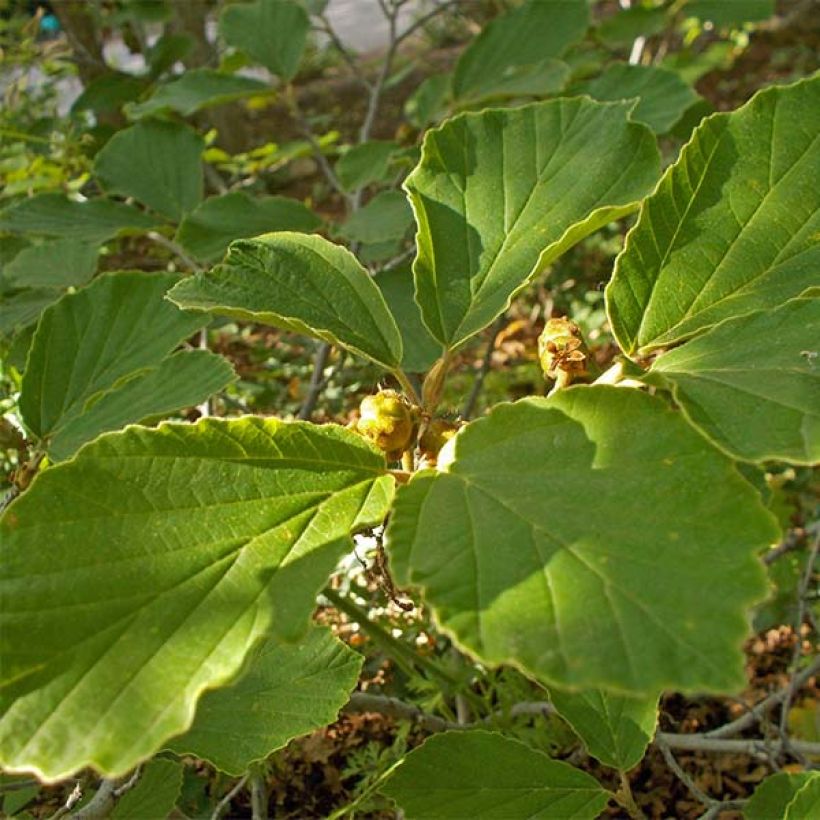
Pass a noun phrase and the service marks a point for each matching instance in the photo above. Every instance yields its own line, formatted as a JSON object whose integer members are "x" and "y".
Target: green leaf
{"x": 387, "y": 216}
{"x": 593, "y": 539}
{"x": 732, "y": 226}
{"x": 428, "y": 103}
{"x": 213, "y": 225}
{"x": 627, "y": 24}
{"x": 662, "y": 95}
{"x": 198, "y": 89}
{"x": 95, "y": 341}
{"x": 158, "y": 163}
{"x": 23, "y": 308}
{"x": 109, "y": 93}
{"x": 165, "y": 555}
{"x": 786, "y": 797}
{"x": 500, "y": 194}
{"x": 526, "y": 35}
{"x": 304, "y": 284}
{"x": 533, "y": 80}
{"x": 272, "y": 32}
{"x": 721, "y": 13}
{"x": 60, "y": 263}
{"x": 286, "y": 691}
{"x": 364, "y": 164}
{"x": 167, "y": 50}
{"x": 616, "y": 729}
{"x": 482, "y": 774}
{"x": 54, "y": 214}
{"x": 420, "y": 349}
{"x": 752, "y": 384}
{"x": 155, "y": 795}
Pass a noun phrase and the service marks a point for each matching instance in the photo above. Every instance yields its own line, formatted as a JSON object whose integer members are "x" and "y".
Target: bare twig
{"x": 259, "y": 794}
{"x": 176, "y": 249}
{"x": 226, "y": 800}
{"x": 790, "y": 543}
{"x": 106, "y": 797}
{"x": 317, "y": 382}
{"x": 9, "y": 496}
{"x": 754, "y": 747}
{"x": 681, "y": 774}
{"x": 469, "y": 405}
{"x": 327, "y": 28}
{"x": 392, "y": 707}
{"x": 71, "y": 801}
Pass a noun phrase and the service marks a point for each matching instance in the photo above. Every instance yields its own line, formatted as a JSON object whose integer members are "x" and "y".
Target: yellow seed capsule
{"x": 437, "y": 434}
{"x": 561, "y": 350}
{"x": 388, "y": 420}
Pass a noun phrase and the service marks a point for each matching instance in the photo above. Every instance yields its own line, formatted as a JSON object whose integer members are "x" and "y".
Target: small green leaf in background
{"x": 420, "y": 349}
{"x": 786, "y": 797}
{"x": 272, "y": 32}
{"x": 580, "y": 537}
{"x": 627, "y": 24}
{"x": 735, "y": 13}
{"x": 616, "y": 729}
{"x": 166, "y": 51}
{"x": 54, "y": 214}
{"x": 286, "y": 690}
{"x": 157, "y": 163}
{"x": 109, "y": 93}
{"x": 522, "y": 37}
{"x": 732, "y": 226}
{"x": 100, "y": 357}
{"x": 166, "y": 554}
{"x": 387, "y": 216}
{"x": 60, "y": 263}
{"x": 301, "y": 283}
{"x": 208, "y": 230}
{"x": 662, "y": 95}
{"x": 428, "y": 103}
{"x": 500, "y": 194}
{"x": 456, "y": 775}
{"x": 23, "y": 308}
{"x": 752, "y": 384}
{"x": 198, "y": 89}
{"x": 154, "y": 796}
{"x": 364, "y": 164}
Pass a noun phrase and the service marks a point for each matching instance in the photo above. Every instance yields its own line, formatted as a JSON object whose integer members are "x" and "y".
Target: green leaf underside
{"x": 198, "y": 89}
{"x": 22, "y": 309}
{"x": 301, "y": 283}
{"x": 364, "y": 164}
{"x": 523, "y": 37}
{"x": 165, "y": 555}
{"x": 752, "y": 384}
{"x": 155, "y": 795}
{"x": 91, "y": 343}
{"x": 60, "y": 263}
{"x": 272, "y": 32}
{"x": 213, "y": 225}
{"x": 500, "y": 194}
{"x": 53, "y": 214}
{"x": 616, "y": 729}
{"x": 286, "y": 691}
{"x": 387, "y": 216}
{"x": 732, "y": 226}
{"x": 583, "y": 538}
{"x": 157, "y": 163}
{"x": 662, "y": 95}
{"x": 785, "y": 796}
{"x": 455, "y": 775}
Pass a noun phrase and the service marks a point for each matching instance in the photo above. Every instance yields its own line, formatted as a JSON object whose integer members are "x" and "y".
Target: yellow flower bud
{"x": 561, "y": 350}
{"x": 388, "y": 420}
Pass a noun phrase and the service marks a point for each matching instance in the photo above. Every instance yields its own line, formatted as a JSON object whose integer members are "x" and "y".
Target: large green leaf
{"x": 198, "y": 89}
{"x": 60, "y": 263}
{"x": 286, "y": 691}
{"x": 616, "y": 729}
{"x": 456, "y": 775}
{"x": 662, "y": 95}
{"x": 54, "y": 214}
{"x": 90, "y": 345}
{"x": 752, "y": 384}
{"x": 158, "y": 163}
{"x": 523, "y": 37}
{"x": 732, "y": 226}
{"x": 302, "y": 283}
{"x": 154, "y": 796}
{"x": 593, "y": 538}
{"x": 208, "y": 230}
{"x": 272, "y": 32}
{"x": 499, "y": 195}
{"x": 164, "y": 555}
{"x": 786, "y": 797}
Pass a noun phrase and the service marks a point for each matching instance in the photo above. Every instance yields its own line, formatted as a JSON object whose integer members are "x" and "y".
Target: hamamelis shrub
{"x": 158, "y": 583}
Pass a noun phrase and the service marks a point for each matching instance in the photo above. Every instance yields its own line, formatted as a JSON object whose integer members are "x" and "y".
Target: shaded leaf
{"x": 752, "y": 384}
{"x": 213, "y": 225}
{"x": 428, "y": 103}
{"x": 154, "y": 796}
{"x": 364, "y": 163}
{"x": 287, "y": 690}
{"x": 165, "y": 555}
{"x": 61, "y": 263}
{"x": 500, "y": 194}
{"x": 735, "y": 13}
{"x": 731, "y": 227}
{"x": 594, "y": 539}
{"x": 158, "y": 163}
{"x": 304, "y": 284}
{"x": 627, "y": 24}
{"x": 387, "y": 216}
{"x": 109, "y": 92}
{"x": 23, "y": 308}
{"x": 785, "y": 796}
{"x": 483, "y": 774}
